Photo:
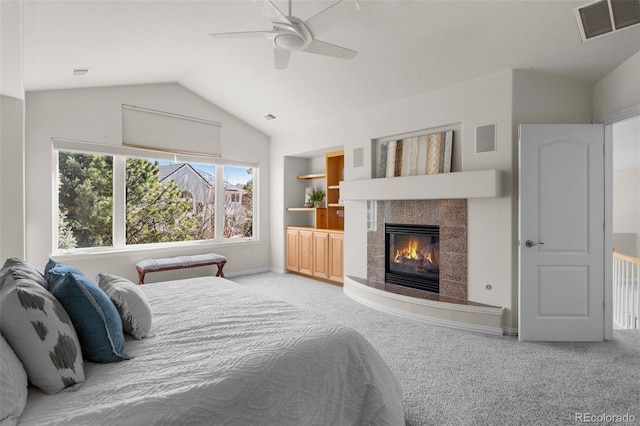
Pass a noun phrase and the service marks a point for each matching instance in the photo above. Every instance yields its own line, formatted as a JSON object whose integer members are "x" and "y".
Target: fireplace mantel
{"x": 474, "y": 184}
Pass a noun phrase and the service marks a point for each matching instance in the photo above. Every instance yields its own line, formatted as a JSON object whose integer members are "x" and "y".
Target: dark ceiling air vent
{"x": 607, "y": 16}
{"x": 625, "y": 13}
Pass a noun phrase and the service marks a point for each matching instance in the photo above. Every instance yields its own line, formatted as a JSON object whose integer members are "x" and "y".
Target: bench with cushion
{"x": 179, "y": 262}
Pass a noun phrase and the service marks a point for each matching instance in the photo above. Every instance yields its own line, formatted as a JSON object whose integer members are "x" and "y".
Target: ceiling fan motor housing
{"x": 294, "y": 36}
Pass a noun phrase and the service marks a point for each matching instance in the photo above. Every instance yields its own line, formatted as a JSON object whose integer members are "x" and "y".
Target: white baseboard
{"x": 248, "y": 272}
{"x": 509, "y": 331}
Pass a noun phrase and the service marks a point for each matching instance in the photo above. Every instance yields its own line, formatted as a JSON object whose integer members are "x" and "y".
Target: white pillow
{"x": 131, "y": 303}
{"x": 22, "y": 269}
{"x": 40, "y": 332}
{"x": 13, "y": 385}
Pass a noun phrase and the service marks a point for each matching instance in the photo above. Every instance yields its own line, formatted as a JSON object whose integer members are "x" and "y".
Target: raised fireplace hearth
{"x": 412, "y": 256}
{"x": 430, "y": 199}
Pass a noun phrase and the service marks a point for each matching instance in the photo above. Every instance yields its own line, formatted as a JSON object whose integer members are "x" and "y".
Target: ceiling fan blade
{"x": 272, "y": 12}
{"x": 335, "y": 13}
{"x": 244, "y": 34}
{"x": 281, "y": 58}
{"x": 322, "y": 48}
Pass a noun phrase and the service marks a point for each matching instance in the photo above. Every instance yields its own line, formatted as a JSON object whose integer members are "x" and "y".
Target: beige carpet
{"x": 453, "y": 377}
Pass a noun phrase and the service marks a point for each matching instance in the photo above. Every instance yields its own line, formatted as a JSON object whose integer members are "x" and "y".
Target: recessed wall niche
{"x": 456, "y": 146}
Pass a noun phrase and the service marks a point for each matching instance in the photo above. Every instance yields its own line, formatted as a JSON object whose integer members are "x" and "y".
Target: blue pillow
{"x": 54, "y": 272}
{"x": 94, "y": 317}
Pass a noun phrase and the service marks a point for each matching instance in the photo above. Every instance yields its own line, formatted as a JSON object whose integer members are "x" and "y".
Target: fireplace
{"x": 450, "y": 216}
{"x": 412, "y": 256}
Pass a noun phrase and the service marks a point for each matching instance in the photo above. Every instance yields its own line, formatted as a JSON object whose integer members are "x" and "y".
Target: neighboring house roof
{"x": 166, "y": 171}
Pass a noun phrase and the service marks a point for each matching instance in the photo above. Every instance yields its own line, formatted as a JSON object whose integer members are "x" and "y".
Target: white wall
{"x": 95, "y": 115}
{"x": 619, "y": 89}
{"x": 538, "y": 99}
{"x": 11, "y": 54}
{"x": 12, "y": 198}
{"x": 615, "y": 96}
{"x": 626, "y": 211}
{"x": 479, "y": 102}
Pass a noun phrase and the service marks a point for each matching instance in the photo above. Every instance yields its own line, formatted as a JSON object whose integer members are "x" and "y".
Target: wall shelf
{"x": 456, "y": 185}
{"x": 312, "y": 176}
{"x": 334, "y": 166}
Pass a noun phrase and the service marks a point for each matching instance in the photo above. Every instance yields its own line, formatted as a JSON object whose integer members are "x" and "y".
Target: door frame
{"x": 608, "y": 121}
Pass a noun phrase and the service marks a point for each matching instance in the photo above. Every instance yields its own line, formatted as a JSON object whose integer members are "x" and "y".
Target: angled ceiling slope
{"x": 404, "y": 48}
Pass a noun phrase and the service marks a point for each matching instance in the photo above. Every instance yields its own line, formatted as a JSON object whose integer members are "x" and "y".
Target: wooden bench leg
{"x": 140, "y": 276}
{"x": 220, "y": 266}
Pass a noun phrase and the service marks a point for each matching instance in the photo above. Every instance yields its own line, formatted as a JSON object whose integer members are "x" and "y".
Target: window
{"x": 85, "y": 200}
{"x": 238, "y": 202}
{"x": 162, "y": 201}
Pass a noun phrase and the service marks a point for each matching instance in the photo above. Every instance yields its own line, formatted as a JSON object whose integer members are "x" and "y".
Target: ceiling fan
{"x": 290, "y": 33}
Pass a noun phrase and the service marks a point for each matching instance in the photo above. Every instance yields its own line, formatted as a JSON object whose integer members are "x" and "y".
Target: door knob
{"x": 530, "y": 243}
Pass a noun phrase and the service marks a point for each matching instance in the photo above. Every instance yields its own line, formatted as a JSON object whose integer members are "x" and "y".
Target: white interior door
{"x": 561, "y": 288}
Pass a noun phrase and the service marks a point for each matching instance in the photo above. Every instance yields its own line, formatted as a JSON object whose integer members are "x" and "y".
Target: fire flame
{"x": 412, "y": 251}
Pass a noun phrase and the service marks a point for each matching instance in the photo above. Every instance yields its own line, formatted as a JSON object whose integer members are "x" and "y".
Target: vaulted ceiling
{"x": 405, "y": 48}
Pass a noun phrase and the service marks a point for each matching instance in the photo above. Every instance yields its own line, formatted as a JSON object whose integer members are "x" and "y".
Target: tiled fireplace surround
{"x": 450, "y": 215}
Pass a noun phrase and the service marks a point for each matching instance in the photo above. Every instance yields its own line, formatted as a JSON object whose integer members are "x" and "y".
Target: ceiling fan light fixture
{"x": 289, "y": 41}
{"x": 290, "y": 33}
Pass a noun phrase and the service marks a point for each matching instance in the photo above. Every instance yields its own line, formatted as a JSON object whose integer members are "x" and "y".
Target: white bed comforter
{"x": 223, "y": 355}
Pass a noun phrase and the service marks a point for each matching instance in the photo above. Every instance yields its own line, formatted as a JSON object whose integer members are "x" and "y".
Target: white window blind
{"x": 162, "y": 131}
{"x": 71, "y": 145}
{"x": 84, "y": 147}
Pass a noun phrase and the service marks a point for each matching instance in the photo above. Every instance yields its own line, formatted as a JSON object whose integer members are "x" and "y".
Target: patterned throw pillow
{"x": 13, "y": 385}
{"x": 40, "y": 332}
{"x": 23, "y": 270}
{"x": 131, "y": 303}
{"x": 94, "y": 317}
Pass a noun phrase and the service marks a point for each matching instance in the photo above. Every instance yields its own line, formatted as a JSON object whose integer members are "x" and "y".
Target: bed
{"x": 221, "y": 354}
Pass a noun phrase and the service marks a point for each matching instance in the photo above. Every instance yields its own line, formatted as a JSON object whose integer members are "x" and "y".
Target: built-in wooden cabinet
{"x": 320, "y": 253}
{"x": 316, "y": 252}
{"x": 336, "y": 257}
{"x": 331, "y": 216}
{"x": 335, "y": 174}
{"x": 305, "y": 252}
{"x": 293, "y": 250}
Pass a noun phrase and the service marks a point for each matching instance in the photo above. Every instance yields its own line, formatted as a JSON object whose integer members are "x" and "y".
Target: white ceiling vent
{"x": 607, "y": 16}
{"x": 79, "y": 71}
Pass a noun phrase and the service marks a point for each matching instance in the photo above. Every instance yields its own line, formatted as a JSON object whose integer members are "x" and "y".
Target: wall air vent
{"x": 607, "y": 16}
{"x": 269, "y": 117}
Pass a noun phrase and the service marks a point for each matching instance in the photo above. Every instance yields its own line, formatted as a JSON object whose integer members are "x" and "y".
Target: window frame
{"x": 120, "y": 154}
